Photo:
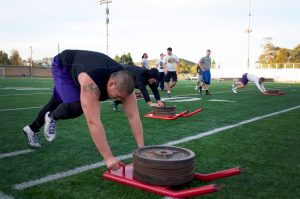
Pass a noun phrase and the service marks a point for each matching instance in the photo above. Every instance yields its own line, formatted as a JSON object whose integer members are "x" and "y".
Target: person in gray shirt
{"x": 205, "y": 64}
{"x": 145, "y": 62}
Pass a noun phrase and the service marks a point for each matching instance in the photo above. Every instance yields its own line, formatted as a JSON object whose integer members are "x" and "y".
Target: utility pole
{"x": 31, "y": 62}
{"x": 58, "y": 50}
{"x": 107, "y": 20}
{"x": 249, "y": 32}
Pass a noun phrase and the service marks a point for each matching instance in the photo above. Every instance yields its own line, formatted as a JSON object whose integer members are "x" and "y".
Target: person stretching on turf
{"x": 258, "y": 81}
{"x": 81, "y": 80}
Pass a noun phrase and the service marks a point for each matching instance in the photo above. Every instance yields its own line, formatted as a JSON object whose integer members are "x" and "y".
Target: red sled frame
{"x": 124, "y": 176}
{"x": 182, "y": 114}
{"x": 280, "y": 93}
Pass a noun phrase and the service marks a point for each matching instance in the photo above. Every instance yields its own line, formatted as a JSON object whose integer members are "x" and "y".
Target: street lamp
{"x": 249, "y": 31}
{"x": 107, "y": 20}
{"x": 30, "y": 61}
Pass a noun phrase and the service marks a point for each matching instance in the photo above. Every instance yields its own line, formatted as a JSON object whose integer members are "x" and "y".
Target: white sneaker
{"x": 49, "y": 128}
{"x": 196, "y": 88}
{"x": 32, "y": 137}
{"x": 234, "y": 90}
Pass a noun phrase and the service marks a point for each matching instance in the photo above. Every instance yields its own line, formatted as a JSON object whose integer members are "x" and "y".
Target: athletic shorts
{"x": 245, "y": 79}
{"x": 206, "y": 77}
{"x": 65, "y": 89}
{"x": 171, "y": 75}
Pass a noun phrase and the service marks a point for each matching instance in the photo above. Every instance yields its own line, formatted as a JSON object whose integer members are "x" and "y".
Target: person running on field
{"x": 205, "y": 64}
{"x": 145, "y": 61}
{"x": 82, "y": 79}
{"x": 143, "y": 78}
{"x": 160, "y": 68}
{"x": 170, "y": 60}
{"x": 199, "y": 79}
{"x": 258, "y": 81}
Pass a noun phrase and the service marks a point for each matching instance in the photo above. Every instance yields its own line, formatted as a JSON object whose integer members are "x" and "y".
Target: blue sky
{"x": 137, "y": 26}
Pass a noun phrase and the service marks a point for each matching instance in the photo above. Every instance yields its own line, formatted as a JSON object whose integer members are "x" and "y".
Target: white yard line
{"x": 17, "y": 109}
{"x": 25, "y": 94}
{"x": 218, "y": 100}
{"x": 3, "y": 196}
{"x": 64, "y": 174}
{"x": 84, "y": 168}
{"x": 15, "y": 153}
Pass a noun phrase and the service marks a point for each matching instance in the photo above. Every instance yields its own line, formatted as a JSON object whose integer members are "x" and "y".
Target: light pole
{"x": 30, "y": 61}
{"x": 58, "y": 48}
{"x": 249, "y": 32}
{"x": 107, "y": 20}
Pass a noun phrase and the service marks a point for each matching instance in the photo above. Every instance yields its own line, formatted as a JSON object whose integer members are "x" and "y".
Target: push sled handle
{"x": 122, "y": 167}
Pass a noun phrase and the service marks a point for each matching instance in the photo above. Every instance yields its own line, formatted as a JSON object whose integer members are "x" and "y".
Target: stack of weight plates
{"x": 163, "y": 165}
{"x": 273, "y": 91}
{"x": 164, "y": 111}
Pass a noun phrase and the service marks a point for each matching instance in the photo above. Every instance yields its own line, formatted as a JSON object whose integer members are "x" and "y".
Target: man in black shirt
{"x": 81, "y": 80}
{"x": 143, "y": 77}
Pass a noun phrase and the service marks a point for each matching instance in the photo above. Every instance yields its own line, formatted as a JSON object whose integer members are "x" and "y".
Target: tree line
{"x": 276, "y": 55}
{"x": 15, "y": 59}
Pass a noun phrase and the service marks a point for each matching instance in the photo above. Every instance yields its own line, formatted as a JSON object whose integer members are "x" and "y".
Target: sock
{"x": 200, "y": 88}
{"x": 169, "y": 92}
{"x": 34, "y": 127}
{"x": 206, "y": 91}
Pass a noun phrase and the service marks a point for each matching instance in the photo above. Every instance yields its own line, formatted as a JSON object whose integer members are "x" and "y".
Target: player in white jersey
{"x": 258, "y": 81}
{"x": 170, "y": 61}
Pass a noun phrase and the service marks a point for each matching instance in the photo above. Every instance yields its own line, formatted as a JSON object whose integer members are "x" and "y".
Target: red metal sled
{"x": 273, "y": 94}
{"x": 182, "y": 114}
{"x": 124, "y": 176}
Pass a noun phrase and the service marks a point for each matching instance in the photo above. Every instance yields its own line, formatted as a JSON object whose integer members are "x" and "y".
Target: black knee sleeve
{"x": 67, "y": 111}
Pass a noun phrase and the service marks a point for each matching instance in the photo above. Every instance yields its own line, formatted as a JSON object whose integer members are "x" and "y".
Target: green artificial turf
{"x": 269, "y": 148}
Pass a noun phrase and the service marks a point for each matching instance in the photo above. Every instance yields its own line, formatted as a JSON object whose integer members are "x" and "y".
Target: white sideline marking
{"x": 17, "y": 109}
{"x": 64, "y": 174}
{"x": 15, "y": 153}
{"x": 3, "y": 196}
{"x": 218, "y": 100}
{"x": 25, "y": 88}
{"x": 84, "y": 168}
{"x": 180, "y": 99}
{"x": 25, "y": 94}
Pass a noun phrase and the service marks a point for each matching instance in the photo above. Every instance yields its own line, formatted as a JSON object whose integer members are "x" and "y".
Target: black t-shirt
{"x": 140, "y": 75}
{"x": 97, "y": 65}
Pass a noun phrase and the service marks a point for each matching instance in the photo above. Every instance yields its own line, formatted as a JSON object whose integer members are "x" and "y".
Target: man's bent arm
{"x": 132, "y": 113}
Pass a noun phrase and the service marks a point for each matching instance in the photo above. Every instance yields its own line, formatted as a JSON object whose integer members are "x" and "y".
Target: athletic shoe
{"x": 169, "y": 95}
{"x": 32, "y": 137}
{"x": 49, "y": 128}
{"x": 196, "y": 88}
{"x": 114, "y": 106}
{"x": 208, "y": 93}
{"x": 233, "y": 84}
{"x": 234, "y": 90}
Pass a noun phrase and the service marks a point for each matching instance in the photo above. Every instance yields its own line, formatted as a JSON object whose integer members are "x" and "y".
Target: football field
{"x": 247, "y": 129}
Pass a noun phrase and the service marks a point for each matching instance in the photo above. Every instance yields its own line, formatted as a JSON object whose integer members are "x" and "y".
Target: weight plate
{"x": 163, "y": 172}
{"x": 164, "y": 111}
{"x": 273, "y": 91}
{"x": 163, "y": 157}
{"x": 163, "y": 180}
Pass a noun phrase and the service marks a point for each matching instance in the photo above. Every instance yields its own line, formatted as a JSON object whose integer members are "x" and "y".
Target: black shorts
{"x": 171, "y": 75}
